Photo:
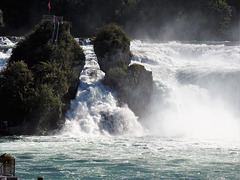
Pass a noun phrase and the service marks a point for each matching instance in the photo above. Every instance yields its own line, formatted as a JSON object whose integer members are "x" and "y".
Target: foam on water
{"x": 196, "y": 92}
{"x": 4, "y": 56}
{"x": 197, "y": 88}
{"x": 95, "y": 110}
{"x": 5, "y": 51}
{"x": 4, "y": 41}
{"x": 193, "y": 96}
{"x": 123, "y": 157}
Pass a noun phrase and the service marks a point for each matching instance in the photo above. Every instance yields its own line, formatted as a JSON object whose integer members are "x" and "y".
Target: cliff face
{"x": 112, "y": 47}
{"x": 133, "y": 84}
{"x": 40, "y": 80}
{"x": 116, "y": 57}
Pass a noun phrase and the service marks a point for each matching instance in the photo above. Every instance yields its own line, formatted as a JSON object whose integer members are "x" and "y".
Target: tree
{"x": 16, "y": 90}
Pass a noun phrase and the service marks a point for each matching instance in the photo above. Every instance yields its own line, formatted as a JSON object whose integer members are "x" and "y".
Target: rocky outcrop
{"x": 40, "y": 79}
{"x": 133, "y": 84}
{"x": 112, "y": 47}
{"x": 115, "y": 58}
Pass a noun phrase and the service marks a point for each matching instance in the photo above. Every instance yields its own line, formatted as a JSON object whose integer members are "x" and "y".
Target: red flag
{"x": 49, "y": 7}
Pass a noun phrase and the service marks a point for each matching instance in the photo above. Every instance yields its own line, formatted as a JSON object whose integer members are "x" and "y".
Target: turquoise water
{"x": 109, "y": 157}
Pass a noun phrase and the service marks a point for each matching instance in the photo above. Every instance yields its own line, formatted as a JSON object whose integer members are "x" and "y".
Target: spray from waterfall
{"x": 197, "y": 88}
{"x": 95, "y": 110}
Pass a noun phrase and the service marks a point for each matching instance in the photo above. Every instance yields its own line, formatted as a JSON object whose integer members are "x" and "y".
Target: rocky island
{"x": 42, "y": 76}
{"x": 133, "y": 83}
{"x": 40, "y": 79}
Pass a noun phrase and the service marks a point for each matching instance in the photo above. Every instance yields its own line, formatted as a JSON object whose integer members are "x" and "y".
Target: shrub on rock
{"x": 112, "y": 47}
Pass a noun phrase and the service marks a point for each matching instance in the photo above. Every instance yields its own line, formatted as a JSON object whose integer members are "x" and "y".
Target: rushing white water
{"x": 95, "y": 110}
{"x": 196, "y": 93}
{"x": 5, "y": 51}
{"x": 4, "y": 41}
{"x": 193, "y": 121}
{"x": 197, "y": 88}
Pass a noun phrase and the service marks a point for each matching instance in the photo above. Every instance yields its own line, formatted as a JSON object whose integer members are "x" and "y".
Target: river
{"x": 192, "y": 129}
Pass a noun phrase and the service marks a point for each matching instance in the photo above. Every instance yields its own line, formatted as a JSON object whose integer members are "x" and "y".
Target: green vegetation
{"x": 110, "y": 37}
{"x": 16, "y": 90}
{"x": 122, "y": 76}
{"x": 176, "y": 19}
{"x": 41, "y": 79}
{"x": 112, "y": 47}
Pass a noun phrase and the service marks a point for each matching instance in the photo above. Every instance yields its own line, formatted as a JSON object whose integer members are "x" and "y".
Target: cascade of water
{"x": 5, "y": 51}
{"x": 197, "y": 88}
{"x": 4, "y": 41}
{"x": 196, "y": 92}
{"x": 95, "y": 110}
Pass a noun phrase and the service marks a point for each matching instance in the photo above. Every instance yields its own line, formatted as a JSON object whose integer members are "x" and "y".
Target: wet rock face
{"x": 134, "y": 85}
{"x": 115, "y": 58}
{"x": 138, "y": 90}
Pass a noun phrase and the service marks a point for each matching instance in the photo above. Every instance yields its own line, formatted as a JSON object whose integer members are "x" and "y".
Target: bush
{"x": 35, "y": 47}
{"x": 115, "y": 77}
{"x": 24, "y": 100}
{"x": 16, "y": 90}
{"x": 46, "y": 109}
{"x": 112, "y": 47}
{"x": 50, "y": 73}
{"x": 110, "y": 37}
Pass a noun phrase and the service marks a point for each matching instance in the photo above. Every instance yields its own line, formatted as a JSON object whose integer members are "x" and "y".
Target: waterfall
{"x": 197, "y": 89}
{"x": 196, "y": 92}
{"x": 5, "y": 51}
{"x": 95, "y": 110}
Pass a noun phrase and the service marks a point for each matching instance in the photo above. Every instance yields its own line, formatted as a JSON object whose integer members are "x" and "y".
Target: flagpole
{"x": 49, "y": 7}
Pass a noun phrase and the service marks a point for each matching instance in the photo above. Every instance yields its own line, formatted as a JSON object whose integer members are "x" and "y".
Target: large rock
{"x": 133, "y": 84}
{"x": 112, "y": 47}
{"x": 115, "y": 58}
{"x": 40, "y": 79}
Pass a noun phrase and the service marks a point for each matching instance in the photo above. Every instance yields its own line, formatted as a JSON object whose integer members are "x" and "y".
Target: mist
{"x": 181, "y": 20}
{"x": 196, "y": 89}
{"x": 141, "y": 19}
